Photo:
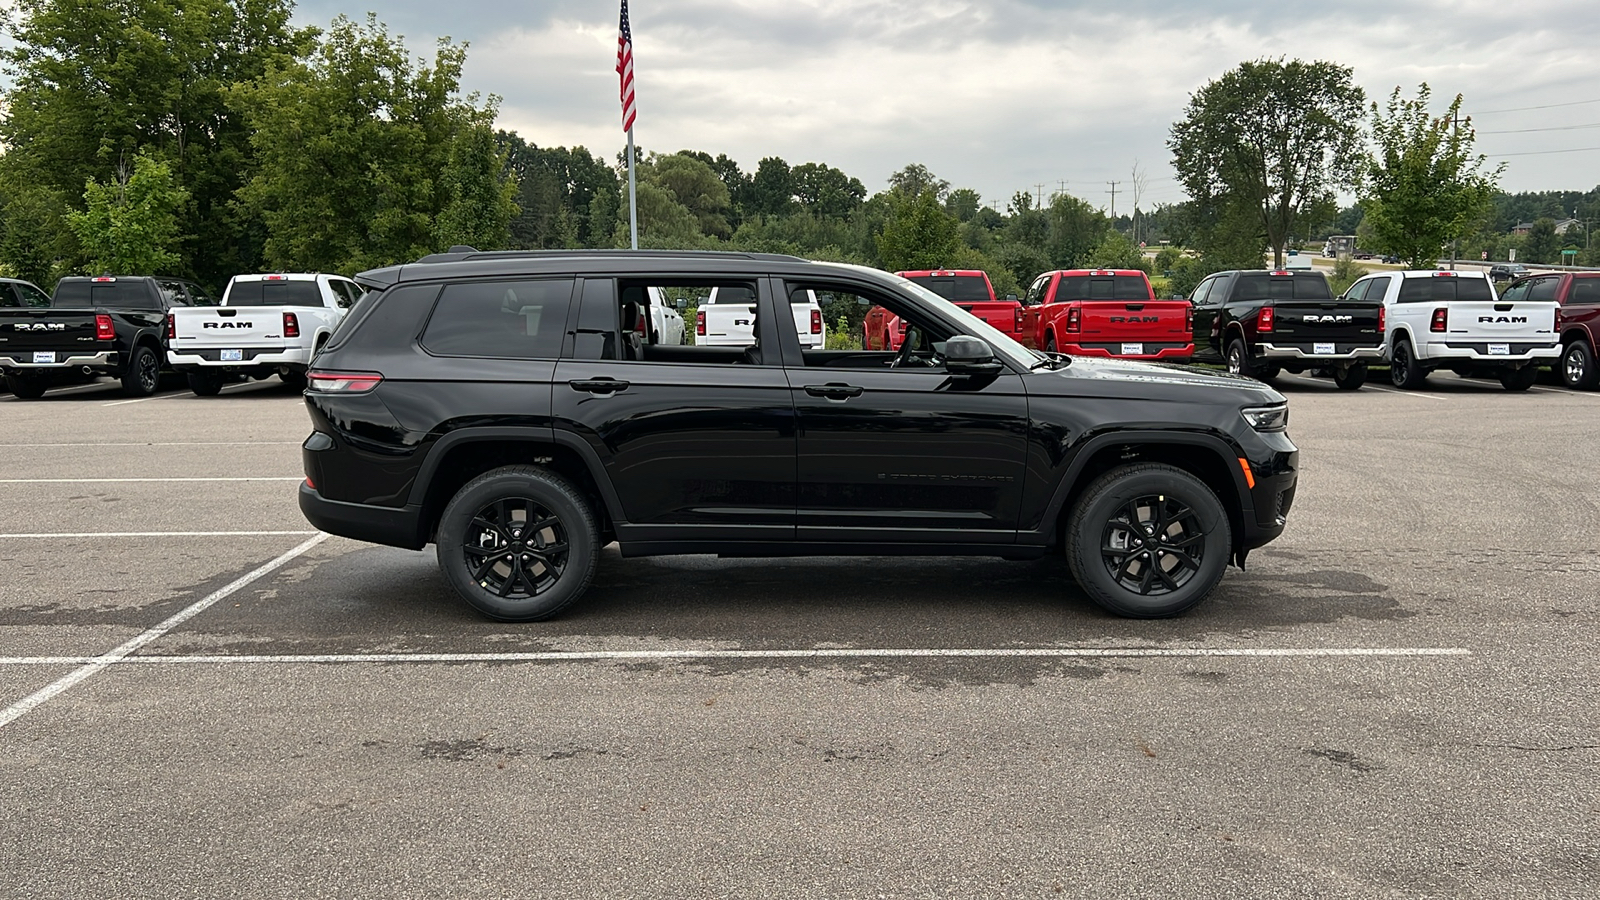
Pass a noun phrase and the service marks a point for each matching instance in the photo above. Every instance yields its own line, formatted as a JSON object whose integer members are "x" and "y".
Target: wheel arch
{"x": 1576, "y": 333}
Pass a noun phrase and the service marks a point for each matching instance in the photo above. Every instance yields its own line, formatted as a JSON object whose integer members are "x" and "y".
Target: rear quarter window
{"x": 524, "y": 319}
{"x": 1585, "y": 290}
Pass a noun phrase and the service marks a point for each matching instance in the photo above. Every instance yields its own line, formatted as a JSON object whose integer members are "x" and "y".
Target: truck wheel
{"x": 518, "y": 543}
{"x": 1239, "y": 363}
{"x": 1050, "y": 343}
{"x": 1403, "y": 369}
{"x": 293, "y": 379}
{"x": 1519, "y": 379}
{"x": 1148, "y": 541}
{"x": 205, "y": 384}
{"x": 1577, "y": 367}
{"x": 143, "y": 376}
{"x": 27, "y": 387}
{"x": 1352, "y": 378}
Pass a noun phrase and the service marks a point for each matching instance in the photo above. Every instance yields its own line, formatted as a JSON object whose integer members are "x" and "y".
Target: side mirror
{"x": 682, "y": 303}
{"x": 1011, "y": 298}
{"x": 967, "y": 355}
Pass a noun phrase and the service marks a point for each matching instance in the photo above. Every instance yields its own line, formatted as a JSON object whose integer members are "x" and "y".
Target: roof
{"x": 1139, "y": 272}
{"x": 929, "y": 273}
{"x": 686, "y": 263}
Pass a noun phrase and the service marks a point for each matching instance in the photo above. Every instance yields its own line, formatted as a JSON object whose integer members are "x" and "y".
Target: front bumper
{"x": 108, "y": 360}
{"x": 1274, "y": 351}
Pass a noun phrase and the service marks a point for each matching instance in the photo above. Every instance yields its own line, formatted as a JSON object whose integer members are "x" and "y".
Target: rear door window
{"x": 31, "y": 297}
{"x": 1545, "y": 288}
{"x": 524, "y": 319}
{"x": 1585, "y": 290}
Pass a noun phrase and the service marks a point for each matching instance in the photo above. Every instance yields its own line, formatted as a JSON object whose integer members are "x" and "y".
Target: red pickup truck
{"x": 1106, "y": 312}
{"x": 967, "y": 288}
{"x": 1577, "y": 320}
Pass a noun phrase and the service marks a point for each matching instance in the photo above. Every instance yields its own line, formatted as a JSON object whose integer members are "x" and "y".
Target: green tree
{"x": 1116, "y": 251}
{"x": 771, "y": 190}
{"x": 825, "y": 191}
{"x": 915, "y": 180}
{"x": 479, "y": 193}
{"x": 1542, "y": 245}
{"x": 567, "y": 198}
{"x": 919, "y": 235}
{"x": 1275, "y": 138}
{"x": 1425, "y": 187}
{"x": 95, "y": 84}
{"x": 352, "y": 148}
{"x": 35, "y": 239}
{"x": 130, "y": 223}
{"x": 1076, "y": 229}
{"x": 692, "y": 183}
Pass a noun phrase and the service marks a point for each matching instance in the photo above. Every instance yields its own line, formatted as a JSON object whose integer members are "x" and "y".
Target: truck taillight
{"x": 700, "y": 322}
{"x": 172, "y": 326}
{"x": 816, "y": 321}
{"x": 342, "y": 382}
{"x": 901, "y": 325}
{"x": 1266, "y": 319}
{"x": 1188, "y": 319}
{"x": 103, "y": 329}
{"x": 1441, "y": 320}
{"x": 1383, "y": 319}
{"x": 1016, "y": 319}
{"x": 291, "y": 325}
{"x": 1074, "y": 320}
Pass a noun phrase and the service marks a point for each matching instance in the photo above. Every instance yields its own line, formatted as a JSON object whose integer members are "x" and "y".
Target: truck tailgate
{"x": 1500, "y": 322}
{"x": 1001, "y": 314}
{"x": 730, "y": 323}
{"x": 1310, "y": 322}
{"x": 68, "y": 332}
{"x": 1163, "y": 321}
{"x": 216, "y": 327}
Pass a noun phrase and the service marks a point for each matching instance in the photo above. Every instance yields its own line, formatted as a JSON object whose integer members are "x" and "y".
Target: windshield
{"x": 961, "y": 288}
{"x": 999, "y": 341}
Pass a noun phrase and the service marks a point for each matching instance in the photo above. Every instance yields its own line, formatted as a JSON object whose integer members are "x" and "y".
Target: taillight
{"x": 1016, "y": 320}
{"x": 172, "y": 326}
{"x": 1265, "y": 320}
{"x": 1188, "y": 319}
{"x": 291, "y": 325}
{"x": 1074, "y": 319}
{"x": 700, "y": 322}
{"x": 104, "y": 330}
{"x": 1383, "y": 318}
{"x": 1441, "y": 320}
{"x": 816, "y": 321}
{"x": 901, "y": 325}
{"x": 342, "y": 382}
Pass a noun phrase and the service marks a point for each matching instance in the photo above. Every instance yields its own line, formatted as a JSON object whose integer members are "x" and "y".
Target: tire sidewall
{"x": 1586, "y": 379}
{"x": 549, "y": 491}
{"x": 1106, "y": 497}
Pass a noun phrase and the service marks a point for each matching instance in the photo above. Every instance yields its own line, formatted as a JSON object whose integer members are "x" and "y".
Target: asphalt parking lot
{"x": 1399, "y": 698}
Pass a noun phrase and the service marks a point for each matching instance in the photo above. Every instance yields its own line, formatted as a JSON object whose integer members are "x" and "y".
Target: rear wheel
{"x": 205, "y": 384}
{"x": 1577, "y": 367}
{"x": 143, "y": 376}
{"x": 1403, "y": 369}
{"x": 1519, "y": 379}
{"x": 1352, "y": 378}
{"x": 27, "y": 387}
{"x": 1050, "y": 343}
{"x": 294, "y": 379}
{"x": 518, "y": 543}
{"x": 1148, "y": 541}
{"x": 1240, "y": 363}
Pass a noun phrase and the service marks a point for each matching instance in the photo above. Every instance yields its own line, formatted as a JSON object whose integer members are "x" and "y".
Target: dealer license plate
{"x": 1499, "y": 349}
{"x": 233, "y": 356}
{"x": 1132, "y": 349}
{"x": 1324, "y": 349}
{"x": 47, "y": 359}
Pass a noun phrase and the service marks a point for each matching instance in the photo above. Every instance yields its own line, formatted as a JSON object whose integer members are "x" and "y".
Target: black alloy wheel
{"x": 1403, "y": 369}
{"x": 1577, "y": 366}
{"x": 518, "y": 543}
{"x": 143, "y": 377}
{"x": 1148, "y": 540}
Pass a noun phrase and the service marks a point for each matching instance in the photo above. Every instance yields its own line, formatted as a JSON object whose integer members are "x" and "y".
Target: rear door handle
{"x": 834, "y": 391}
{"x": 598, "y": 385}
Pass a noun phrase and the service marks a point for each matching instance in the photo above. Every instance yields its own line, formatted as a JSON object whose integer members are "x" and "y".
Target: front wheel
{"x": 1519, "y": 379}
{"x": 518, "y": 543}
{"x": 143, "y": 377}
{"x": 1148, "y": 541}
{"x": 1351, "y": 378}
{"x": 27, "y": 387}
{"x": 1577, "y": 367}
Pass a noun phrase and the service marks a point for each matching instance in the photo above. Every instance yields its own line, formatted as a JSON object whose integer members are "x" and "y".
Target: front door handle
{"x": 834, "y": 391}
{"x": 598, "y": 385}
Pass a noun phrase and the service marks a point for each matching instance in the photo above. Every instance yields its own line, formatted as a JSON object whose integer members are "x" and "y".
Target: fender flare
{"x": 531, "y": 434}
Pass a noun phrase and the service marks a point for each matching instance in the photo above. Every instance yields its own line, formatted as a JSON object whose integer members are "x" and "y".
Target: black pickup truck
{"x": 1261, "y": 323}
{"x": 108, "y": 325}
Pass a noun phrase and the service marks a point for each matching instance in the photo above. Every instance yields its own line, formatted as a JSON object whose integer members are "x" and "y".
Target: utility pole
{"x": 1038, "y": 190}
{"x": 1113, "y": 193}
{"x": 1455, "y": 245}
{"x": 1061, "y": 186}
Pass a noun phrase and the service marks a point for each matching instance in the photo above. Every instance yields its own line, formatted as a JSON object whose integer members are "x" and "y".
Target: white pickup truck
{"x": 724, "y": 319}
{"x": 1455, "y": 321}
{"x": 266, "y": 325}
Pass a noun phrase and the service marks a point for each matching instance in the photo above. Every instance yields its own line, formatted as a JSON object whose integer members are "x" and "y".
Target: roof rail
{"x": 461, "y": 254}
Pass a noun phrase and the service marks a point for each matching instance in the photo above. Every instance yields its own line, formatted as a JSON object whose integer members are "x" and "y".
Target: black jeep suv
{"x": 512, "y": 409}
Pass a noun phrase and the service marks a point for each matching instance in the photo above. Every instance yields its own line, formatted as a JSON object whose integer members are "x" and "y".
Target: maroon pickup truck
{"x": 1577, "y": 320}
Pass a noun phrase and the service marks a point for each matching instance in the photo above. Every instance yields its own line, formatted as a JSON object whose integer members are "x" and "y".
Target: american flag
{"x": 625, "y": 68}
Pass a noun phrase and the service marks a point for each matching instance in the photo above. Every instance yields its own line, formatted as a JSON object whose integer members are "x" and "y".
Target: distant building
{"x": 1565, "y": 225}
{"x": 1522, "y": 228}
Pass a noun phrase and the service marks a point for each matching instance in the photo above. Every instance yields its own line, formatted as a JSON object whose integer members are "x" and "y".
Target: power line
{"x": 1491, "y": 112}
{"x": 1542, "y": 152}
{"x": 1551, "y": 128}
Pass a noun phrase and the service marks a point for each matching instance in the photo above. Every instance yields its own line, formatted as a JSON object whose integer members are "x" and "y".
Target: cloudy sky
{"x": 1004, "y": 95}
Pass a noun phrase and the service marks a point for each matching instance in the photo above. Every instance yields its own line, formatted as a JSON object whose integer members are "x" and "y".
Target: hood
{"x": 1126, "y": 371}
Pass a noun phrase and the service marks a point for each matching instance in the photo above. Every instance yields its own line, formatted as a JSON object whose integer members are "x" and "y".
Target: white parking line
{"x": 139, "y": 400}
{"x": 132, "y": 480}
{"x": 827, "y": 653}
{"x": 156, "y": 534}
{"x": 1373, "y": 387}
{"x": 161, "y": 444}
{"x": 98, "y": 663}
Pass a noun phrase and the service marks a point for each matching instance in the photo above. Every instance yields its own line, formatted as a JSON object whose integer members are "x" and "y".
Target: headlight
{"x": 1267, "y": 418}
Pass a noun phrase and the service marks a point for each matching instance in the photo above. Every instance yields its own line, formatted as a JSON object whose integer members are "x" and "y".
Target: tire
{"x": 1050, "y": 343}
{"x": 27, "y": 387}
{"x": 479, "y": 533}
{"x": 1519, "y": 379}
{"x": 1577, "y": 366}
{"x": 205, "y": 384}
{"x": 1239, "y": 363}
{"x": 143, "y": 377}
{"x": 1102, "y": 544}
{"x": 1352, "y": 378}
{"x": 1403, "y": 369}
{"x": 293, "y": 379}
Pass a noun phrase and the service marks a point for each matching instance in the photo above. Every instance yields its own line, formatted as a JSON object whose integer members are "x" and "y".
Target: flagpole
{"x": 633, "y": 200}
